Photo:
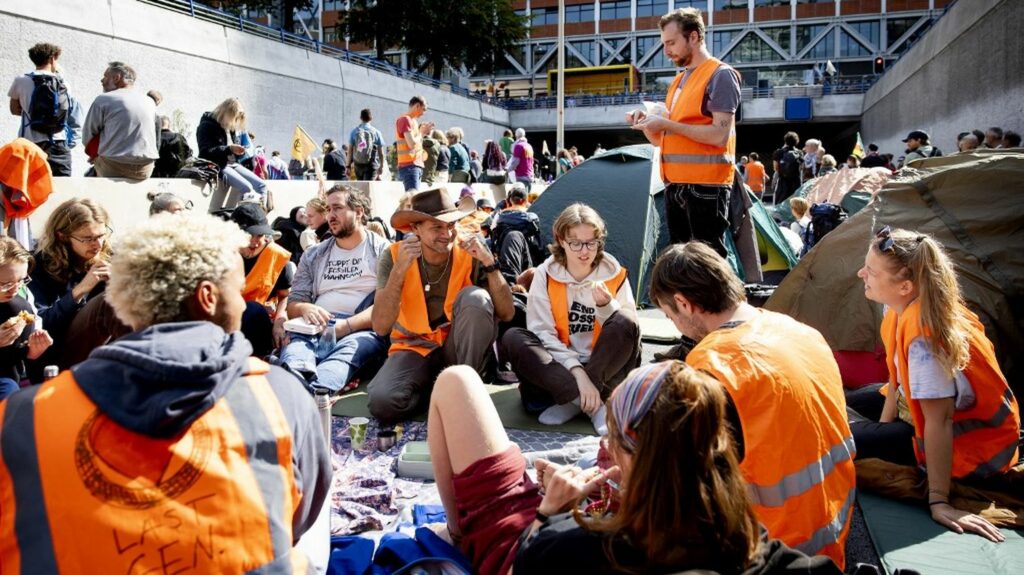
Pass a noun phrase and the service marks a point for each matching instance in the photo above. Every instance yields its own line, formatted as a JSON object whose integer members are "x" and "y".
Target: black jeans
{"x": 893, "y": 441}
{"x": 696, "y": 212}
{"x": 365, "y": 173}
{"x": 58, "y": 156}
{"x": 513, "y": 255}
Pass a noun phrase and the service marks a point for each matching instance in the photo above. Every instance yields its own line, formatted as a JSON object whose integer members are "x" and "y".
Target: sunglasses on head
{"x": 885, "y": 242}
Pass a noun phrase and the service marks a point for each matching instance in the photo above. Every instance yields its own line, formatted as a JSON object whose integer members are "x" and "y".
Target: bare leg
{"x": 462, "y": 428}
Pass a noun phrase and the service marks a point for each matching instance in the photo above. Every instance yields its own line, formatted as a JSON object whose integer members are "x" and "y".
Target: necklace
{"x": 426, "y": 276}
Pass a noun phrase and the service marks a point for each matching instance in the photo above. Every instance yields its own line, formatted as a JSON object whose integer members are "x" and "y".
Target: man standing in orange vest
{"x": 409, "y": 134}
{"x": 268, "y": 279}
{"x": 786, "y": 402}
{"x": 698, "y": 136}
{"x": 171, "y": 448}
{"x": 756, "y": 176}
{"x": 438, "y": 297}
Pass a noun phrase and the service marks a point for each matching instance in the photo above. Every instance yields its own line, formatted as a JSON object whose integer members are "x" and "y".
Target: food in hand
{"x": 24, "y": 316}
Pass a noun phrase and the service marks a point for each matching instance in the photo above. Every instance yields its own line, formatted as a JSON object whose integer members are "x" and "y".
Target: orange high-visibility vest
{"x": 558, "y": 295}
{"x": 686, "y": 161}
{"x": 81, "y": 494}
{"x": 408, "y": 156}
{"x": 412, "y": 331}
{"x": 798, "y": 449}
{"x": 985, "y": 434}
{"x": 259, "y": 283}
{"x": 755, "y": 176}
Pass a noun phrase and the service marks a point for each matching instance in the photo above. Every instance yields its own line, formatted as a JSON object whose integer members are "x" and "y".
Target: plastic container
{"x": 414, "y": 461}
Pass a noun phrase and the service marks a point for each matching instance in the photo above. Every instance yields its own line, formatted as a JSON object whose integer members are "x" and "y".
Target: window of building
{"x": 545, "y": 16}
{"x": 730, "y": 4}
{"x": 870, "y": 31}
{"x": 752, "y": 49}
{"x": 620, "y": 58}
{"x": 780, "y": 35}
{"x": 698, "y": 4}
{"x": 814, "y": 1}
{"x": 615, "y": 10}
{"x": 588, "y": 49}
{"x": 804, "y": 35}
{"x": 762, "y": 3}
{"x": 577, "y": 13}
{"x": 720, "y": 41}
{"x": 895, "y": 28}
{"x": 540, "y": 50}
{"x": 651, "y": 8}
{"x": 851, "y": 48}
{"x": 644, "y": 46}
{"x": 335, "y": 5}
{"x": 823, "y": 49}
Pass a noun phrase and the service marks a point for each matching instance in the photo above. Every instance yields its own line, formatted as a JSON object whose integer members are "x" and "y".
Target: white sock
{"x": 598, "y": 419}
{"x": 559, "y": 413}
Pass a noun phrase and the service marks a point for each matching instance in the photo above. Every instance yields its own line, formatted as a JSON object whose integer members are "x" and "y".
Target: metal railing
{"x": 239, "y": 22}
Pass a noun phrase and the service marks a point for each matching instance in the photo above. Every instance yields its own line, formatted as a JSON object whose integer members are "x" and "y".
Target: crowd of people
{"x": 189, "y": 347}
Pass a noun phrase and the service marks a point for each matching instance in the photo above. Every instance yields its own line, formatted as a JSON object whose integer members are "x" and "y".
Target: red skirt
{"x": 496, "y": 501}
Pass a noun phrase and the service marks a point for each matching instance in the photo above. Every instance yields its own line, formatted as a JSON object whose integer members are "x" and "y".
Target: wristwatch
{"x": 491, "y": 268}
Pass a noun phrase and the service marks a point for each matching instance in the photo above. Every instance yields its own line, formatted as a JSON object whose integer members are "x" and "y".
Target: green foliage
{"x": 438, "y": 33}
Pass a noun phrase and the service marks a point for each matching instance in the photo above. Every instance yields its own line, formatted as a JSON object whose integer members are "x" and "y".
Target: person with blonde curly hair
{"x": 71, "y": 262}
{"x": 176, "y": 414}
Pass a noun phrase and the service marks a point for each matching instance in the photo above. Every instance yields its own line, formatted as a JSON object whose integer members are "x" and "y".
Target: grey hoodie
{"x": 157, "y": 381}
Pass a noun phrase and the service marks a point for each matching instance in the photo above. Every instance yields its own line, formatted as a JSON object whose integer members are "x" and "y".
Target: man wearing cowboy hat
{"x": 438, "y": 296}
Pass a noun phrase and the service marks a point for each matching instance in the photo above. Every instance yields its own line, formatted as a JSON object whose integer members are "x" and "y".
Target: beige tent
{"x": 974, "y": 205}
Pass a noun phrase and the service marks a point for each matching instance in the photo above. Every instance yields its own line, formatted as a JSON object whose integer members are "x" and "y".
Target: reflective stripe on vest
{"x": 798, "y": 448}
{"x": 218, "y": 497}
{"x": 559, "y": 297}
{"x": 406, "y": 155}
{"x": 412, "y": 331}
{"x": 985, "y": 435}
{"x": 259, "y": 282}
{"x": 687, "y": 161}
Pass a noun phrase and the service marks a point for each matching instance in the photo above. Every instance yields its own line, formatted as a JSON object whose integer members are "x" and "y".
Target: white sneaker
{"x": 252, "y": 198}
{"x": 559, "y": 414}
{"x": 598, "y": 419}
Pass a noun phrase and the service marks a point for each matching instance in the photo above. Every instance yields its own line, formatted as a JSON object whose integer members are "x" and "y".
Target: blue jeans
{"x": 351, "y": 354}
{"x": 7, "y": 387}
{"x": 410, "y": 176}
{"x": 239, "y": 178}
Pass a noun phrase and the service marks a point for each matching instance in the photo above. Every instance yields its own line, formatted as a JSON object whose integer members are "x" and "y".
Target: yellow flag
{"x": 858, "y": 150}
{"x": 302, "y": 144}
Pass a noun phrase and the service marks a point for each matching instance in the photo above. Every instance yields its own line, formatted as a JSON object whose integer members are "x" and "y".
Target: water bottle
{"x": 323, "y": 405}
{"x": 328, "y": 339}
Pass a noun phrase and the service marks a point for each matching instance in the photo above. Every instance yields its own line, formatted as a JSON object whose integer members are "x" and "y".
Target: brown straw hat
{"x": 433, "y": 204}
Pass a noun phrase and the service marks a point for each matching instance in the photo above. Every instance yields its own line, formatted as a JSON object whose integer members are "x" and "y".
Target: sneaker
{"x": 559, "y": 414}
{"x": 598, "y": 419}
{"x": 251, "y": 198}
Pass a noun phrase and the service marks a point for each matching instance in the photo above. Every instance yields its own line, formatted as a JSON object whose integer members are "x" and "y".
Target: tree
{"x": 438, "y": 33}
{"x": 282, "y": 10}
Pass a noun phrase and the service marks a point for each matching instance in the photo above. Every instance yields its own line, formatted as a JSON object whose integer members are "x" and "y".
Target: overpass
{"x": 196, "y": 64}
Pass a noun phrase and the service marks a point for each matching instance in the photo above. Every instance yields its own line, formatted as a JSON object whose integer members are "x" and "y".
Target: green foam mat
{"x": 906, "y": 538}
{"x": 505, "y": 398}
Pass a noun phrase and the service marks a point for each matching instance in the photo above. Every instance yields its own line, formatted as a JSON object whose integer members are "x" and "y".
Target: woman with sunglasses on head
{"x": 947, "y": 405}
{"x": 581, "y": 336}
{"x": 681, "y": 502}
{"x": 20, "y": 339}
{"x": 71, "y": 262}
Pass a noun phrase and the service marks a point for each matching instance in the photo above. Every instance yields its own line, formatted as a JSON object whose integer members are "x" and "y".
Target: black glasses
{"x": 885, "y": 243}
{"x": 592, "y": 245}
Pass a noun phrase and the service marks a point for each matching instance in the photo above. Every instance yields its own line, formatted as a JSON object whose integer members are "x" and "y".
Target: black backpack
{"x": 49, "y": 106}
{"x": 824, "y": 219}
{"x": 202, "y": 170}
{"x": 789, "y": 164}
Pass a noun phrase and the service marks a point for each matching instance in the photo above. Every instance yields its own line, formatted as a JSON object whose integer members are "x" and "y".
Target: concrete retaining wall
{"x": 967, "y": 72}
{"x": 197, "y": 64}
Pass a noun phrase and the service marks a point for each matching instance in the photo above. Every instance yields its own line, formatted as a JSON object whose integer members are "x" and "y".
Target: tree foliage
{"x": 474, "y": 34}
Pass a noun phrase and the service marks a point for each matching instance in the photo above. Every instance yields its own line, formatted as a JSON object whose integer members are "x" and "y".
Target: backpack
{"x": 362, "y": 153}
{"x": 790, "y": 164}
{"x": 202, "y": 170}
{"x": 49, "y": 106}
{"x": 824, "y": 218}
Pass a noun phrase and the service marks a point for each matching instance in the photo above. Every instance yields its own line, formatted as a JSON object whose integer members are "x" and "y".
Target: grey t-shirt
{"x": 124, "y": 120}
{"x": 723, "y": 94}
{"x": 21, "y": 90}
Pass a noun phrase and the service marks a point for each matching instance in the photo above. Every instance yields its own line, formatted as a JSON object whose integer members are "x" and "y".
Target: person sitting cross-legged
{"x": 336, "y": 280}
{"x": 439, "y": 296}
{"x": 581, "y": 336}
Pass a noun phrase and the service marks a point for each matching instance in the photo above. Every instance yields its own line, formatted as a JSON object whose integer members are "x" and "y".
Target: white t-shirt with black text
{"x": 348, "y": 277}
